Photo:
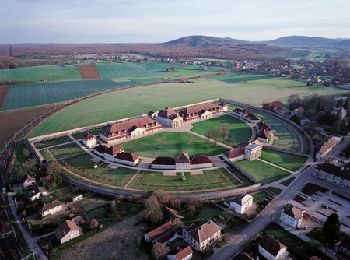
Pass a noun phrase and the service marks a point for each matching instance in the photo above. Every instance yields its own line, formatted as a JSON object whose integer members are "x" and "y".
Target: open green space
{"x": 84, "y": 167}
{"x": 287, "y": 182}
{"x": 40, "y": 73}
{"x": 262, "y": 172}
{"x": 242, "y": 77}
{"x": 53, "y": 142}
{"x": 285, "y": 160}
{"x": 171, "y": 144}
{"x": 203, "y": 213}
{"x": 286, "y": 136}
{"x": 275, "y": 191}
{"x": 65, "y": 151}
{"x": 297, "y": 247}
{"x": 140, "y": 100}
{"x": 238, "y": 131}
{"x": 210, "y": 179}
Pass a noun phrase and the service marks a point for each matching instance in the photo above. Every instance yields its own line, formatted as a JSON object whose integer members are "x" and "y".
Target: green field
{"x": 61, "y": 152}
{"x": 83, "y": 166}
{"x": 243, "y": 77}
{"x": 171, "y": 144}
{"x": 287, "y": 161}
{"x": 53, "y": 142}
{"x": 41, "y": 73}
{"x": 238, "y": 131}
{"x": 136, "y": 101}
{"x": 287, "y": 137}
{"x": 35, "y": 94}
{"x": 211, "y": 179}
{"x": 262, "y": 172}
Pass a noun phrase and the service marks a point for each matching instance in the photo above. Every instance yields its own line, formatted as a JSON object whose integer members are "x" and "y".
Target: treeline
{"x": 325, "y": 110}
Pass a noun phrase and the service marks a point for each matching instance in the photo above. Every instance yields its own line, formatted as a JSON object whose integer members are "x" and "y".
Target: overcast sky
{"x": 126, "y": 21}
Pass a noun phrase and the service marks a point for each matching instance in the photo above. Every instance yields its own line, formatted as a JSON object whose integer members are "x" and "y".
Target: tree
{"x": 153, "y": 210}
{"x": 225, "y": 131}
{"x": 53, "y": 170}
{"x": 159, "y": 251}
{"x": 294, "y": 102}
{"x": 331, "y": 228}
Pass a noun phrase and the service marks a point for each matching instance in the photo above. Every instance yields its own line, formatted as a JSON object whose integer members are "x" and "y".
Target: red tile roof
{"x": 168, "y": 113}
{"x": 129, "y": 125}
{"x": 182, "y": 254}
{"x": 88, "y": 136}
{"x": 329, "y": 143}
{"x": 127, "y": 157}
{"x": 182, "y": 158}
{"x": 203, "y": 232}
{"x": 114, "y": 150}
{"x": 153, "y": 234}
{"x": 200, "y": 159}
{"x": 65, "y": 227}
{"x": 293, "y": 212}
{"x": 235, "y": 152}
{"x": 271, "y": 245}
{"x": 164, "y": 161}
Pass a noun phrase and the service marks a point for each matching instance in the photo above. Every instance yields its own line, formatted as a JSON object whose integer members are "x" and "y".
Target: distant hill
{"x": 289, "y": 41}
{"x": 205, "y": 41}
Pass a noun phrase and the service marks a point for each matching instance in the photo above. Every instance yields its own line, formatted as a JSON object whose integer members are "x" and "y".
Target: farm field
{"x": 286, "y": 137}
{"x": 171, "y": 144}
{"x": 40, "y": 73}
{"x": 12, "y": 121}
{"x": 83, "y": 166}
{"x": 262, "y": 172}
{"x": 287, "y": 161}
{"x": 35, "y": 94}
{"x": 240, "y": 77}
{"x": 211, "y": 179}
{"x": 121, "y": 104}
{"x": 238, "y": 131}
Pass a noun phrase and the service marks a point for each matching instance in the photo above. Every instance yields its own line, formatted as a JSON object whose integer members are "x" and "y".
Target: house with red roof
{"x": 201, "y": 236}
{"x": 162, "y": 234}
{"x": 163, "y": 163}
{"x": 168, "y": 117}
{"x": 89, "y": 140}
{"x": 327, "y": 145}
{"x": 182, "y": 161}
{"x": 68, "y": 230}
{"x": 108, "y": 152}
{"x": 200, "y": 111}
{"x": 130, "y": 159}
{"x": 181, "y": 254}
{"x": 292, "y": 216}
{"x": 244, "y": 151}
{"x": 271, "y": 248}
{"x": 200, "y": 161}
{"x": 240, "y": 204}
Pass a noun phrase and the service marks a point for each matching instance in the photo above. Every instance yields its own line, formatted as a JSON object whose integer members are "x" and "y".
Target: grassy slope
{"x": 262, "y": 172}
{"x": 288, "y": 161}
{"x": 238, "y": 130}
{"x": 140, "y": 100}
{"x": 171, "y": 144}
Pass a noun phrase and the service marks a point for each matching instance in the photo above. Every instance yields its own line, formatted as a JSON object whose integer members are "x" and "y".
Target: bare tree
{"x": 153, "y": 210}
{"x": 54, "y": 170}
{"x": 159, "y": 251}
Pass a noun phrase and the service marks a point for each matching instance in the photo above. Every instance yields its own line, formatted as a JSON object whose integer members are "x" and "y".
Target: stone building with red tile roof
{"x": 292, "y": 216}
{"x": 68, "y": 230}
{"x": 271, "y": 248}
{"x": 168, "y": 117}
{"x": 89, "y": 140}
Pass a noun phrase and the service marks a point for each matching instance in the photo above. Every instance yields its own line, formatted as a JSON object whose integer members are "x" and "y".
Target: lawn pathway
{"x": 210, "y": 140}
{"x": 275, "y": 165}
{"x": 131, "y": 179}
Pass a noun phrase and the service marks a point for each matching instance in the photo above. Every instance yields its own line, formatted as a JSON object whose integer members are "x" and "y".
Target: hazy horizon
{"x": 156, "y": 21}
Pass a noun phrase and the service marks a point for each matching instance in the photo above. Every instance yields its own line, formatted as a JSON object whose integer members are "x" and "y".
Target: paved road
{"x": 32, "y": 244}
{"x": 260, "y": 223}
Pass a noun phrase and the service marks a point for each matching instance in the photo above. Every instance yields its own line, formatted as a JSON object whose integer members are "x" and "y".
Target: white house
{"x": 52, "y": 208}
{"x": 240, "y": 204}
{"x": 29, "y": 181}
{"x": 292, "y": 216}
{"x": 182, "y": 254}
{"x": 108, "y": 153}
{"x": 201, "y": 161}
{"x": 252, "y": 151}
{"x": 168, "y": 117}
{"x": 78, "y": 198}
{"x": 272, "y": 249}
{"x": 183, "y": 161}
{"x": 202, "y": 236}
{"x": 163, "y": 163}
{"x": 38, "y": 192}
{"x": 89, "y": 140}
{"x": 334, "y": 172}
{"x": 68, "y": 230}
{"x": 130, "y": 159}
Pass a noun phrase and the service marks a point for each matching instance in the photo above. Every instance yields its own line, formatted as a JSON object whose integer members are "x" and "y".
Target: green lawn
{"x": 296, "y": 246}
{"x": 261, "y": 196}
{"x": 287, "y": 182}
{"x": 60, "y": 152}
{"x": 83, "y": 166}
{"x": 171, "y": 144}
{"x": 211, "y": 179}
{"x": 203, "y": 213}
{"x": 238, "y": 131}
{"x": 262, "y": 172}
{"x": 275, "y": 191}
{"x": 287, "y": 161}
{"x": 136, "y": 101}
{"x": 53, "y": 142}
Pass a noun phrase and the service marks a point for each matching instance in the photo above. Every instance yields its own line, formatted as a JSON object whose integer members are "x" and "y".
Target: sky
{"x": 154, "y": 21}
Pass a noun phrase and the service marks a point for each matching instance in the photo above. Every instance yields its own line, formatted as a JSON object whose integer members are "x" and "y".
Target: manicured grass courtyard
{"x": 171, "y": 144}
{"x": 262, "y": 172}
{"x": 287, "y": 161}
{"x": 61, "y": 152}
{"x": 210, "y": 179}
{"x": 53, "y": 142}
{"x": 83, "y": 166}
{"x": 238, "y": 131}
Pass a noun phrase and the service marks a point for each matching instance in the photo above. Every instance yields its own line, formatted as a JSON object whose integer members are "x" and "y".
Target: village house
{"x": 68, "y": 230}
{"x": 201, "y": 161}
{"x": 334, "y": 172}
{"x": 108, "y": 153}
{"x": 128, "y": 129}
{"x": 37, "y": 192}
{"x": 181, "y": 254}
{"x": 168, "y": 117}
{"x": 163, "y": 163}
{"x": 292, "y": 216}
{"x": 327, "y": 145}
{"x": 245, "y": 151}
{"x": 29, "y": 181}
{"x": 201, "y": 236}
{"x": 272, "y": 249}
{"x": 89, "y": 140}
{"x": 246, "y": 115}
{"x": 52, "y": 208}
{"x": 162, "y": 234}
{"x": 130, "y": 159}
{"x": 182, "y": 161}
{"x": 240, "y": 204}
{"x": 263, "y": 132}
{"x": 200, "y": 111}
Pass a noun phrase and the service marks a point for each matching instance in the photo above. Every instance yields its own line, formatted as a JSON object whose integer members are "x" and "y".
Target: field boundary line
{"x": 131, "y": 179}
